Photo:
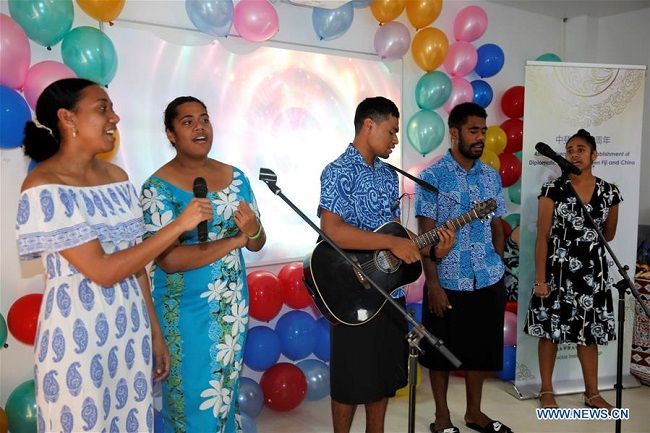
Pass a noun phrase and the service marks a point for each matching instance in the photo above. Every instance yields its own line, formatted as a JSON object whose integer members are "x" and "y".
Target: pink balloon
{"x": 392, "y": 40}
{"x": 42, "y": 75}
{"x": 509, "y": 329}
{"x": 461, "y": 91}
{"x": 15, "y": 53}
{"x": 470, "y": 24}
{"x": 255, "y": 20}
{"x": 414, "y": 290}
{"x": 461, "y": 59}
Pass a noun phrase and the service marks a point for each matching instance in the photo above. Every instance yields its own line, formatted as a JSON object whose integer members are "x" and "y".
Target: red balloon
{"x": 514, "y": 129}
{"x": 284, "y": 386}
{"x": 265, "y": 295}
{"x": 512, "y": 102}
{"x": 511, "y": 306}
{"x": 506, "y": 228}
{"x": 294, "y": 291}
{"x": 22, "y": 318}
{"x": 510, "y": 169}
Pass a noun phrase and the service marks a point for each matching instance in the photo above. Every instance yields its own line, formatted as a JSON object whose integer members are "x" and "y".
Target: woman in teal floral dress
{"x": 199, "y": 288}
{"x": 572, "y": 300}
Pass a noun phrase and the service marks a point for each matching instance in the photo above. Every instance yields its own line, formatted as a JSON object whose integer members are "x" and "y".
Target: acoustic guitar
{"x": 344, "y": 295}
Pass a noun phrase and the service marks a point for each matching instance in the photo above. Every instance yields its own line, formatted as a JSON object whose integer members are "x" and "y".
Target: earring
{"x": 74, "y": 132}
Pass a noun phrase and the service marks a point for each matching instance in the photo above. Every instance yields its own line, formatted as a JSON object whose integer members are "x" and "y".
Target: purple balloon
{"x": 392, "y": 40}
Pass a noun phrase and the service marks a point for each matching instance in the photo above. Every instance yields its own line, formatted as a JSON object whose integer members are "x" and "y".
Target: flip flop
{"x": 491, "y": 427}
{"x": 452, "y": 429}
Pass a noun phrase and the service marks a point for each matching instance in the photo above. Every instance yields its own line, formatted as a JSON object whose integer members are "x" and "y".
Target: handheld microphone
{"x": 395, "y": 204}
{"x": 201, "y": 191}
{"x": 564, "y": 164}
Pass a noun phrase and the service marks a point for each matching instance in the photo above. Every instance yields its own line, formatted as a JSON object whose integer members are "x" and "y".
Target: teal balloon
{"x": 519, "y": 154}
{"x": 14, "y": 113}
{"x": 549, "y": 57}
{"x": 90, "y": 54}
{"x": 513, "y": 219}
{"x": 432, "y": 90}
{"x": 45, "y": 22}
{"x": 21, "y": 408}
{"x": 514, "y": 192}
{"x": 425, "y": 131}
{"x": 331, "y": 23}
{"x": 3, "y": 332}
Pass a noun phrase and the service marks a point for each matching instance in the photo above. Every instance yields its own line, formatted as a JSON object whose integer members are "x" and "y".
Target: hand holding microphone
{"x": 200, "y": 189}
{"x": 565, "y": 165}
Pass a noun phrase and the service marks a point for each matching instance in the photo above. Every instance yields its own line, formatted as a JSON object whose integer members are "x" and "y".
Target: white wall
{"x": 523, "y": 36}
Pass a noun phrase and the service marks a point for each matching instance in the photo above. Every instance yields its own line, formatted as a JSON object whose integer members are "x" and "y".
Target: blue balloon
{"x": 317, "y": 374}
{"x": 213, "y": 17}
{"x": 482, "y": 93}
{"x": 331, "y": 23}
{"x": 296, "y": 330}
{"x": 359, "y": 4}
{"x": 414, "y": 309}
{"x": 14, "y": 113}
{"x": 250, "y": 397}
{"x": 90, "y": 54}
{"x": 44, "y": 21}
{"x": 262, "y": 348}
{"x": 509, "y": 363}
{"x": 490, "y": 60}
{"x": 247, "y": 424}
{"x": 322, "y": 347}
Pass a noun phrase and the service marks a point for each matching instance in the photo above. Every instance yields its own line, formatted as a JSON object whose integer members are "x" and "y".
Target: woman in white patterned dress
{"x": 97, "y": 330}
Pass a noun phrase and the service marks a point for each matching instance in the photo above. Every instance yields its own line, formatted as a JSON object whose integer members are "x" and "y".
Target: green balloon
{"x": 512, "y": 219}
{"x": 514, "y": 192}
{"x": 21, "y": 408}
{"x": 3, "y": 331}
{"x": 90, "y": 54}
{"x": 44, "y": 21}
{"x": 432, "y": 90}
{"x": 425, "y": 131}
{"x": 549, "y": 57}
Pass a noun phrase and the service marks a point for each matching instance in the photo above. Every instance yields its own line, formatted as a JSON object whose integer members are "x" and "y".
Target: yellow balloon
{"x": 387, "y": 10}
{"x": 421, "y": 13}
{"x": 102, "y": 10}
{"x": 429, "y": 48}
{"x": 108, "y": 156}
{"x": 492, "y": 159}
{"x": 418, "y": 379}
{"x": 495, "y": 139}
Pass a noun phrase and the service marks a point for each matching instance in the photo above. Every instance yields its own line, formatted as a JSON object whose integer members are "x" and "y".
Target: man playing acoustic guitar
{"x": 368, "y": 361}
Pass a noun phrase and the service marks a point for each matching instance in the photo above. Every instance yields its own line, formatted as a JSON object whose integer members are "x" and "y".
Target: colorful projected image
{"x": 289, "y": 111}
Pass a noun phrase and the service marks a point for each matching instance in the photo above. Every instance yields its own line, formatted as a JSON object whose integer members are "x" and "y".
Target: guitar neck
{"x": 431, "y": 236}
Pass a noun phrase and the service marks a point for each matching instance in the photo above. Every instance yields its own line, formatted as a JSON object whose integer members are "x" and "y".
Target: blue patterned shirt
{"x": 473, "y": 263}
{"x": 361, "y": 195}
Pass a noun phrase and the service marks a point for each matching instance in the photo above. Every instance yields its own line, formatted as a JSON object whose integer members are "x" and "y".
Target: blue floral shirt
{"x": 473, "y": 263}
{"x": 360, "y": 194}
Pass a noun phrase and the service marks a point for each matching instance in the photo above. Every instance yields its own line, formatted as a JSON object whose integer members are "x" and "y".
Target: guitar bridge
{"x": 363, "y": 280}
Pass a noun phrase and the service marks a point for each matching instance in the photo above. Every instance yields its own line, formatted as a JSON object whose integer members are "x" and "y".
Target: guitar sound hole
{"x": 386, "y": 261}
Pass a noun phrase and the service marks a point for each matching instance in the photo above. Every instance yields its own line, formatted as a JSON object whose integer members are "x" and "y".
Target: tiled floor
{"x": 314, "y": 416}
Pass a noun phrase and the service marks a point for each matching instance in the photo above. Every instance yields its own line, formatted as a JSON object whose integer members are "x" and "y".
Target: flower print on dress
{"x": 226, "y": 204}
{"x": 214, "y": 290}
{"x": 232, "y": 260}
{"x": 238, "y": 318}
{"x": 218, "y": 398}
{"x": 151, "y": 200}
{"x": 159, "y": 220}
{"x": 227, "y": 349}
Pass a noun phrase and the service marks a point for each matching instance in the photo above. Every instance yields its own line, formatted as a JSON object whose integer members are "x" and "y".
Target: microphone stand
{"x": 623, "y": 285}
{"x": 413, "y": 337}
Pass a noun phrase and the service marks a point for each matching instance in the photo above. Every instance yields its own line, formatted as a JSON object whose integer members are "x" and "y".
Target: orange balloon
{"x": 429, "y": 48}
{"x": 421, "y": 13}
{"x": 492, "y": 159}
{"x": 108, "y": 156}
{"x": 102, "y": 10}
{"x": 495, "y": 139}
{"x": 387, "y": 10}
{"x": 4, "y": 424}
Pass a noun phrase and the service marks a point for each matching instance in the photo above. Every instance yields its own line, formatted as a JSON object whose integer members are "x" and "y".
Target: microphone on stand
{"x": 564, "y": 164}
{"x": 200, "y": 189}
{"x": 396, "y": 203}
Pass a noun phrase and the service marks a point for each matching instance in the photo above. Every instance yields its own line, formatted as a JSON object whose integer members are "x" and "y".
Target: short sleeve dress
{"x": 93, "y": 351}
{"x": 579, "y": 308}
{"x": 203, "y": 312}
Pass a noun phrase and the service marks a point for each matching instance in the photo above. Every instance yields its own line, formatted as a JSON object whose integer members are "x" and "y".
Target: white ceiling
{"x": 576, "y": 8}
